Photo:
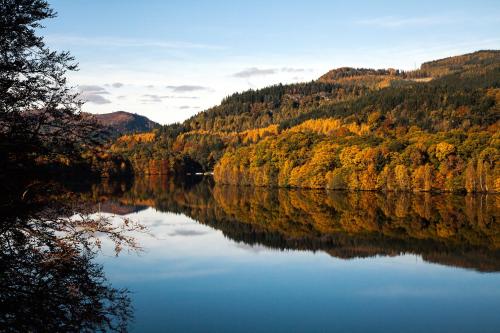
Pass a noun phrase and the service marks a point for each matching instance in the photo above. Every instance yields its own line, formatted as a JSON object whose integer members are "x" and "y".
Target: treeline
{"x": 183, "y": 152}
{"x": 441, "y": 135}
{"x": 328, "y": 154}
{"x": 471, "y": 61}
{"x": 272, "y": 105}
{"x": 457, "y": 102}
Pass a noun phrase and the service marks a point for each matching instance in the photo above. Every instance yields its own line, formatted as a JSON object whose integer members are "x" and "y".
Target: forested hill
{"x": 121, "y": 122}
{"x": 280, "y": 103}
{"x": 352, "y": 128}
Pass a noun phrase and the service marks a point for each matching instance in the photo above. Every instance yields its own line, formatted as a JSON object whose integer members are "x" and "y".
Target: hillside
{"x": 477, "y": 61}
{"x": 433, "y": 129}
{"x": 122, "y": 122}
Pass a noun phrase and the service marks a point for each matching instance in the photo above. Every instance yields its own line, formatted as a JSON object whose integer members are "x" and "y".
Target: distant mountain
{"x": 122, "y": 122}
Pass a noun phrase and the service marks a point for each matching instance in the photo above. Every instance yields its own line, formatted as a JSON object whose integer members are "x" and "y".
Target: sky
{"x": 169, "y": 60}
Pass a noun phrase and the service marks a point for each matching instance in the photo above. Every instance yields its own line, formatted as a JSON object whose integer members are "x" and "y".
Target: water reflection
{"x": 455, "y": 230}
{"x": 49, "y": 281}
{"x": 51, "y": 278}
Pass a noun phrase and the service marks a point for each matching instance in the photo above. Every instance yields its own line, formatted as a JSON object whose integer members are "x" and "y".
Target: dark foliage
{"x": 40, "y": 118}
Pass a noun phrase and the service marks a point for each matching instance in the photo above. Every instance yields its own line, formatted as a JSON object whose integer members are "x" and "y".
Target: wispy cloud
{"x": 127, "y": 42}
{"x": 154, "y": 98}
{"x": 117, "y": 85}
{"x": 151, "y": 98}
{"x": 93, "y": 94}
{"x": 186, "y": 107}
{"x": 187, "y": 88}
{"x": 292, "y": 70}
{"x": 183, "y": 97}
{"x": 92, "y": 88}
{"x": 255, "y": 71}
{"x": 397, "y": 22}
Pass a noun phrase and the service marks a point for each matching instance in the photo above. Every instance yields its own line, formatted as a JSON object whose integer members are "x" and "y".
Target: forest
{"x": 432, "y": 129}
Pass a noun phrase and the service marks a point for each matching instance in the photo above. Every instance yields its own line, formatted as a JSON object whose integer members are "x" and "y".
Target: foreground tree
{"x": 48, "y": 238}
{"x": 40, "y": 116}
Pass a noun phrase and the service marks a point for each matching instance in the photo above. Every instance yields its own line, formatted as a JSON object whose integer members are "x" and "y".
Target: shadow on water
{"x": 448, "y": 229}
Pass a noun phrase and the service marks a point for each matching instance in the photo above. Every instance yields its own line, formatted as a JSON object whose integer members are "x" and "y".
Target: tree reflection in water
{"x": 48, "y": 280}
{"x": 449, "y": 229}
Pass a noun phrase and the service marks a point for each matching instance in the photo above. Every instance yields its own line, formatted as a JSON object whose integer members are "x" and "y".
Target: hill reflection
{"x": 455, "y": 230}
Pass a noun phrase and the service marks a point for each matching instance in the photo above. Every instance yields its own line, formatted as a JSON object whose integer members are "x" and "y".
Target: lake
{"x": 239, "y": 259}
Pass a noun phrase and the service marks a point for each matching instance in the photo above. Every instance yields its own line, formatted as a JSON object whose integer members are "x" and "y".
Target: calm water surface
{"x": 225, "y": 259}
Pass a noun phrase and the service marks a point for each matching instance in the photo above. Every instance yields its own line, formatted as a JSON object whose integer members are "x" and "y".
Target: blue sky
{"x": 171, "y": 59}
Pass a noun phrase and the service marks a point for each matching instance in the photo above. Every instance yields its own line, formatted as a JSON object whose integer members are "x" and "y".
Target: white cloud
{"x": 151, "y": 98}
{"x": 127, "y": 42}
{"x": 155, "y": 98}
{"x": 397, "y": 22}
{"x": 92, "y": 88}
{"x": 254, "y": 71}
{"x": 187, "y": 88}
{"x": 93, "y": 94}
{"x": 292, "y": 70}
{"x": 186, "y": 107}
